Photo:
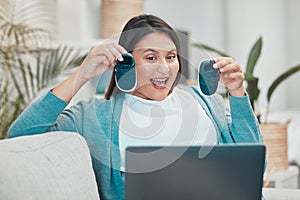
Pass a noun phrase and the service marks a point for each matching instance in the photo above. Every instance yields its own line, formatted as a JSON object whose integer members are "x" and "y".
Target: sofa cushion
{"x": 54, "y": 165}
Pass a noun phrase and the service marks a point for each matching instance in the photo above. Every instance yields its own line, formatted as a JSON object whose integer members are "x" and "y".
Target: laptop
{"x": 220, "y": 172}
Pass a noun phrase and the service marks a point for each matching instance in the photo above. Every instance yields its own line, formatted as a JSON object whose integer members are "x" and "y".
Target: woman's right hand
{"x": 99, "y": 59}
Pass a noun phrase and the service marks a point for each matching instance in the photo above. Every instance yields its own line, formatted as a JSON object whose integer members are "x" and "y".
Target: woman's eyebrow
{"x": 147, "y": 50}
{"x": 172, "y": 50}
{"x": 157, "y": 51}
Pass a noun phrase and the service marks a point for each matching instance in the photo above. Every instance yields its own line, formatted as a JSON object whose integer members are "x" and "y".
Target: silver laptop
{"x": 221, "y": 172}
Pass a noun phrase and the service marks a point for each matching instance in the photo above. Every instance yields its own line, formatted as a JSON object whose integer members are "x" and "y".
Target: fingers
{"x": 226, "y": 78}
{"x": 226, "y": 64}
{"x": 101, "y": 58}
{"x": 231, "y": 75}
{"x": 111, "y": 52}
{"x": 120, "y": 50}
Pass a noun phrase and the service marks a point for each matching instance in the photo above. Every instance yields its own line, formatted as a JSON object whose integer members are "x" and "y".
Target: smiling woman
{"x": 148, "y": 41}
{"x": 157, "y": 112}
{"x": 157, "y": 66}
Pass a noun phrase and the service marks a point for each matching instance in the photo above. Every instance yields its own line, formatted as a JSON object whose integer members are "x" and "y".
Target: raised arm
{"x": 99, "y": 59}
{"x": 46, "y": 113}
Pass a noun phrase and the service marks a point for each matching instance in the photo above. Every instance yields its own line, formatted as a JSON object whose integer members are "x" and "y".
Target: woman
{"x": 157, "y": 112}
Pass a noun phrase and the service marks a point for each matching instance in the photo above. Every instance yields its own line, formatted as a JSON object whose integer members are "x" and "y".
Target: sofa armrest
{"x": 54, "y": 165}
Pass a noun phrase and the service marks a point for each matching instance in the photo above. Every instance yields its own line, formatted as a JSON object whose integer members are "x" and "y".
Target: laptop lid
{"x": 221, "y": 172}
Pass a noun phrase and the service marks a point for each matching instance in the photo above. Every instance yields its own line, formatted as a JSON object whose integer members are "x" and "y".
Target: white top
{"x": 177, "y": 120}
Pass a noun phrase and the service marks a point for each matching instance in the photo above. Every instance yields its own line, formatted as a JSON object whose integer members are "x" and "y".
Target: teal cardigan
{"x": 97, "y": 121}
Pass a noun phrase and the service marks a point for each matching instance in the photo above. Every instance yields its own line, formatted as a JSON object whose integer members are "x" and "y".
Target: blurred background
{"x": 232, "y": 26}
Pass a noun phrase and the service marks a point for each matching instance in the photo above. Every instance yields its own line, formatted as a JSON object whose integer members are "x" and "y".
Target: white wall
{"x": 230, "y": 25}
{"x": 78, "y": 20}
{"x": 293, "y": 52}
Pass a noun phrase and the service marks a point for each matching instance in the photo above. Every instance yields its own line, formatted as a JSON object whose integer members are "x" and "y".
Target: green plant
{"x": 29, "y": 59}
{"x": 251, "y": 80}
{"x": 279, "y": 80}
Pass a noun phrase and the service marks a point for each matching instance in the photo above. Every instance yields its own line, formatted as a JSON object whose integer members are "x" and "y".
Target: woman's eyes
{"x": 151, "y": 58}
{"x": 169, "y": 57}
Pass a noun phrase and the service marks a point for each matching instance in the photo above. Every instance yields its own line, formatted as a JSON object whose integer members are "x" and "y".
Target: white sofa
{"x": 54, "y": 165}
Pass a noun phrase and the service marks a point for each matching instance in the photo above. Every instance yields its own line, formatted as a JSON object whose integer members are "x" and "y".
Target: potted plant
{"x": 275, "y": 134}
{"x": 29, "y": 59}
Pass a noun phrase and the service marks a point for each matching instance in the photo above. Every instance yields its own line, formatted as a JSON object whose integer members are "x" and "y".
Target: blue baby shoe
{"x": 125, "y": 73}
{"x": 208, "y": 77}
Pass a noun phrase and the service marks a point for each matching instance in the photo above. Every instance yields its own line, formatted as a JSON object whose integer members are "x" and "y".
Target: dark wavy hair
{"x": 135, "y": 29}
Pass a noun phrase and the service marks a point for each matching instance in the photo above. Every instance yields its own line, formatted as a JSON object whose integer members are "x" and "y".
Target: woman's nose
{"x": 163, "y": 67}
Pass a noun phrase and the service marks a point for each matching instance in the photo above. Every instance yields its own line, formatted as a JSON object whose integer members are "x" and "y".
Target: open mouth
{"x": 159, "y": 82}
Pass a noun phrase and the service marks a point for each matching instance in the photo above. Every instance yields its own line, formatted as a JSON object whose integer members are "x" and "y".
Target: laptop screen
{"x": 225, "y": 172}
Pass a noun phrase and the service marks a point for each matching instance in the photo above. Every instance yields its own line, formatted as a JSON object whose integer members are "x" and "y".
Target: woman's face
{"x": 157, "y": 65}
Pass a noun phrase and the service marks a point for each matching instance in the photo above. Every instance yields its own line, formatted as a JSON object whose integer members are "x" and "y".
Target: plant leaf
{"x": 252, "y": 88}
{"x": 6, "y": 9}
{"x": 253, "y": 56}
{"x": 281, "y": 78}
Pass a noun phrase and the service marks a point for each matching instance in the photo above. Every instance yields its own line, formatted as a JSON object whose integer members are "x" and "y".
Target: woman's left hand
{"x": 231, "y": 75}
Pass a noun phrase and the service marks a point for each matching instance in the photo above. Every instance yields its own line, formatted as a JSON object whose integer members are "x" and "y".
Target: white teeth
{"x": 159, "y": 81}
